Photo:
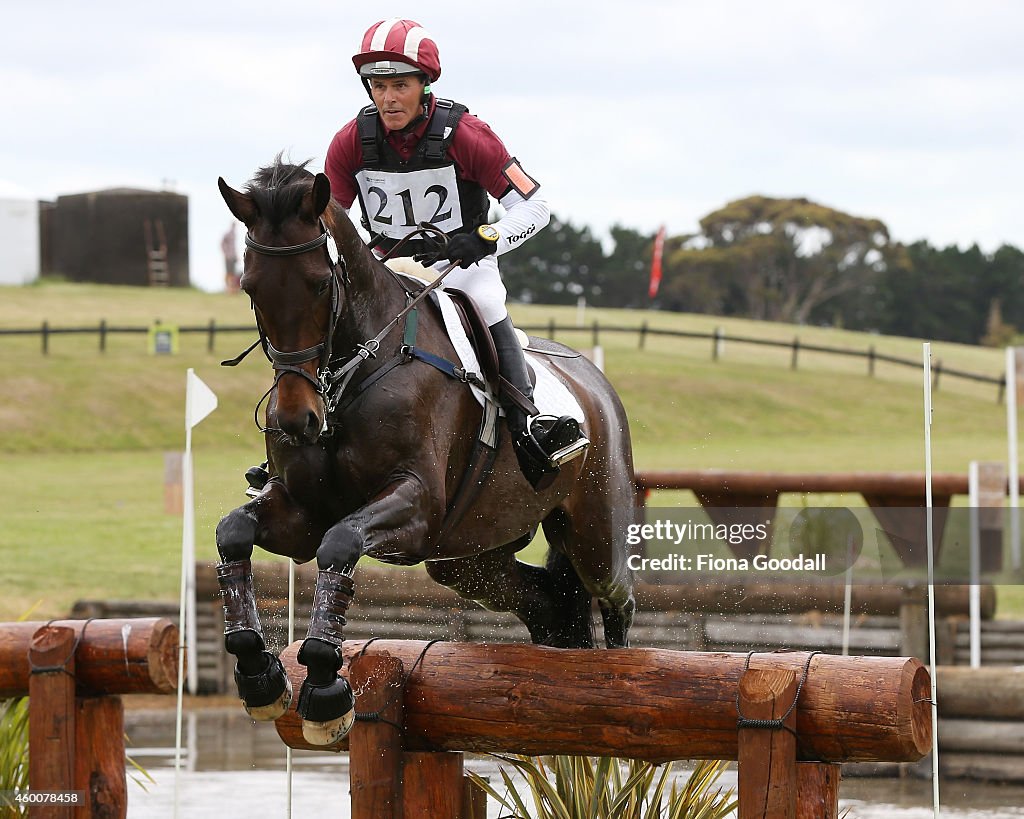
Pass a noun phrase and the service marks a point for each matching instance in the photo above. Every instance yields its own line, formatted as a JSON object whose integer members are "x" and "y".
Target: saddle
{"x": 479, "y": 335}
{"x": 482, "y": 342}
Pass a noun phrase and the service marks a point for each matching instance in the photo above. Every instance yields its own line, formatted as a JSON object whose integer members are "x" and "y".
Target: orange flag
{"x": 659, "y": 245}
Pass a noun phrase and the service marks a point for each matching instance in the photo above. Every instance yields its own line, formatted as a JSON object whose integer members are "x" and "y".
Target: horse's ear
{"x": 241, "y": 205}
{"x": 315, "y": 202}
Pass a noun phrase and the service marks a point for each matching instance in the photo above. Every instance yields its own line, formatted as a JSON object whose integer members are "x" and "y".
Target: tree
{"x": 625, "y": 274}
{"x": 997, "y": 332}
{"x": 935, "y": 294}
{"x": 557, "y": 266}
{"x": 1003, "y": 281}
{"x": 778, "y": 259}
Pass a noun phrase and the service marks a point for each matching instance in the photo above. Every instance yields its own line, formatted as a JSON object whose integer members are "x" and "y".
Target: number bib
{"x": 396, "y": 202}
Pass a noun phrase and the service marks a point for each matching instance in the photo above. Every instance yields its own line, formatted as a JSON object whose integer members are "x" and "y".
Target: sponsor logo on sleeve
{"x": 523, "y": 184}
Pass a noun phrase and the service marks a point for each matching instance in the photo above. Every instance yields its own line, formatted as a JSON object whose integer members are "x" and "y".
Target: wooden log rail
{"x": 73, "y": 672}
{"x": 888, "y": 494}
{"x": 638, "y": 703}
{"x": 897, "y": 486}
{"x": 382, "y": 586}
{"x": 650, "y": 704}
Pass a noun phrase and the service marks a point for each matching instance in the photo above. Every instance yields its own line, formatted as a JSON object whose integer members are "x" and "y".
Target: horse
{"x": 371, "y": 462}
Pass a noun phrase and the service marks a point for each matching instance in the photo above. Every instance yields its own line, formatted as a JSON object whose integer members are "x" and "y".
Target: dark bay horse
{"x": 374, "y": 470}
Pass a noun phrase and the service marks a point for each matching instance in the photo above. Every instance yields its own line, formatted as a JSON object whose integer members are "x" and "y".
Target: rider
{"x": 411, "y": 157}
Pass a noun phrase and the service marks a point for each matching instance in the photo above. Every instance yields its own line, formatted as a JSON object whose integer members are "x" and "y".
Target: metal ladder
{"x": 156, "y": 253}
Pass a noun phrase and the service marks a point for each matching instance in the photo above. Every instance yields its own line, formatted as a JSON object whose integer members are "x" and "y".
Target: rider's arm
{"x": 344, "y": 157}
{"x": 522, "y": 219}
{"x": 485, "y": 160}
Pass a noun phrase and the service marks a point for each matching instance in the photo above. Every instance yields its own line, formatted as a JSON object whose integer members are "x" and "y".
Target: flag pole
{"x": 199, "y": 402}
{"x": 186, "y": 483}
{"x": 930, "y": 539}
{"x": 1012, "y": 455}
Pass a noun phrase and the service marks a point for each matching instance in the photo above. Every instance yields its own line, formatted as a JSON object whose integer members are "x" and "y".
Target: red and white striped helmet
{"x": 395, "y": 46}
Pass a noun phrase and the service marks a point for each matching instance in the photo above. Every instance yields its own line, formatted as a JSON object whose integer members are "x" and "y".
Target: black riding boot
{"x": 257, "y": 477}
{"x": 546, "y": 443}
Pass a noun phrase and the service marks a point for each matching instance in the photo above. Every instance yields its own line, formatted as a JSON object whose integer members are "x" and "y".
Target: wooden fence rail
{"x": 718, "y": 338}
{"x": 103, "y": 331}
{"x": 73, "y": 673}
{"x": 635, "y": 703}
{"x": 891, "y": 496}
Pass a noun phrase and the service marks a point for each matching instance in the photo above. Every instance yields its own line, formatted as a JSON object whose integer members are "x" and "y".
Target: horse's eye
{"x": 322, "y": 287}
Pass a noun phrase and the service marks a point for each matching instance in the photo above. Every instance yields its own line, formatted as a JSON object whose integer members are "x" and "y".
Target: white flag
{"x": 200, "y": 400}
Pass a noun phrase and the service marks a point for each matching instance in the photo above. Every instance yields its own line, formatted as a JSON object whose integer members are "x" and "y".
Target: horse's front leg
{"x": 395, "y": 524}
{"x": 262, "y": 682}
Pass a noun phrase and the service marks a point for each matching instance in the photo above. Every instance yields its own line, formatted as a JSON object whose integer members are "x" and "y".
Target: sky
{"x": 636, "y": 113}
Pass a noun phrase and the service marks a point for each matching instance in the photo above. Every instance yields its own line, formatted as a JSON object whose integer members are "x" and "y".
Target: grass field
{"x": 81, "y": 488}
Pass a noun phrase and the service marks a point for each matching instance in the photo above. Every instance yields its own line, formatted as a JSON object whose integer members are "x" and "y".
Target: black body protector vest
{"x": 396, "y": 196}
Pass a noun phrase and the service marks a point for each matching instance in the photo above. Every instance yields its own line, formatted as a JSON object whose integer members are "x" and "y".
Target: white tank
{"x": 19, "y": 240}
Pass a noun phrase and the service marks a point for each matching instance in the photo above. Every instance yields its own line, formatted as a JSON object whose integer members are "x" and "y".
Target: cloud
{"x": 639, "y": 114}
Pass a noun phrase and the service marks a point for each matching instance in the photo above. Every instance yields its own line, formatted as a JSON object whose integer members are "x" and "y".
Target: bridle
{"x": 284, "y": 361}
{"x": 330, "y": 384}
{"x": 288, "y": 362}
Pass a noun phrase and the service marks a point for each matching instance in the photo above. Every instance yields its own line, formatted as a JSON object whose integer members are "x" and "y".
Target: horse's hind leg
{"x": 598, "y": 565}
{"x": 554, "y": 608}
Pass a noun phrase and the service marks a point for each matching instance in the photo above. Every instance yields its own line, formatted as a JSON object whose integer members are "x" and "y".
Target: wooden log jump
{"x": 888, "y": 494}
{"x": 388, "y": 586}
{"x": 649, "y": 704}
{"x": 639, "y": 703}
{"x": 73, "y": 672}
{"x": 894, "y": 486}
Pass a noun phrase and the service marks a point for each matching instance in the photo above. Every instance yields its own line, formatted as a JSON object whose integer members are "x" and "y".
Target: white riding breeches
{"x": 482, "y": 281}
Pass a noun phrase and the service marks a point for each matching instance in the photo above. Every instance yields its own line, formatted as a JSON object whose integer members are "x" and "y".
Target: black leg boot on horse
{"x": 262, "y": 682}
{"x": 542, "y": 443}
{"x": 326, "y": 703}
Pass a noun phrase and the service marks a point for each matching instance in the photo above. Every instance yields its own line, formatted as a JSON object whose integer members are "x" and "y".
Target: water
{"x": 236, "y": 768}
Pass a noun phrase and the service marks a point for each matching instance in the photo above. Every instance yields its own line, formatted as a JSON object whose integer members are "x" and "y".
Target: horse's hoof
{"x": 324, "y": 734}
{"x": 267, "y": 695}
{"x": 328, "y": 711}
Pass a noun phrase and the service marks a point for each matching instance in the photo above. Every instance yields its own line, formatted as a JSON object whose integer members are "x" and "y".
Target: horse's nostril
{"x": 302, "y": 427}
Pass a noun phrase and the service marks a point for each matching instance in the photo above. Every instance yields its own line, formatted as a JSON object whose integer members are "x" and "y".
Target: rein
{"x": 339, "y": 380}
{"x": 330, "y": 384}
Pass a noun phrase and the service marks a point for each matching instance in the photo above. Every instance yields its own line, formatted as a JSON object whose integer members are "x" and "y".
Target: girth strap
{"x": 447, "y": 367}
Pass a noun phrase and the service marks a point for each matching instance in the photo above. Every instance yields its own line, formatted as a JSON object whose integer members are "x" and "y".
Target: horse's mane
{"x": 278, "y": 188}
{"x": 277, "y": 191}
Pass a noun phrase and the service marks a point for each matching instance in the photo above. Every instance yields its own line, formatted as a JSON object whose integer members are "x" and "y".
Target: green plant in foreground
{"x": 13, "y": 752}
{"x": 580, "y": 787}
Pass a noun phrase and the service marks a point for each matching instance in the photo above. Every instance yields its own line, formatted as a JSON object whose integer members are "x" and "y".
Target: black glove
{"x": 432, "y": 254}
{"x": 469, "y": 248}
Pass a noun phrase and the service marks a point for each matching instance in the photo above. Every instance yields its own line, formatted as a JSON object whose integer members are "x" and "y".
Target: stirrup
{"x": 559, "y": 438}
{"x": 256, "y": 477}
{"x": 549, "y": 443}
